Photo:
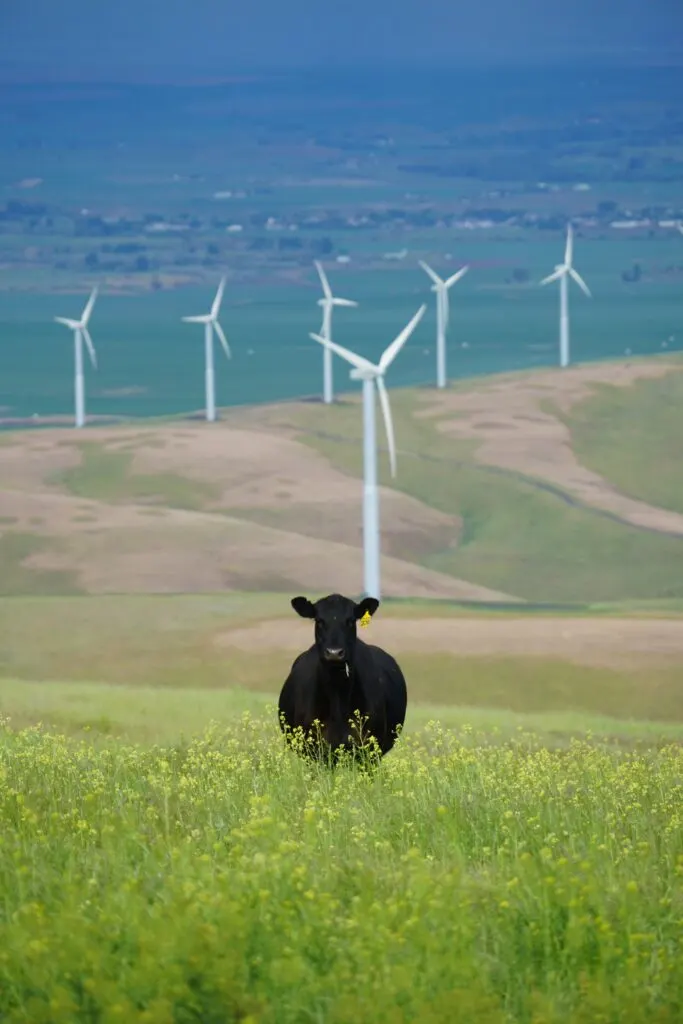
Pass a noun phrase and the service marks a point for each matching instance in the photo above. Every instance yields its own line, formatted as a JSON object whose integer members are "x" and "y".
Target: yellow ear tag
{"x": 365, "y": 621}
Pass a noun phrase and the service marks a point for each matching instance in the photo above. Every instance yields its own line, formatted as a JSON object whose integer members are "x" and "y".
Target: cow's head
{"x": 335, "y": 623}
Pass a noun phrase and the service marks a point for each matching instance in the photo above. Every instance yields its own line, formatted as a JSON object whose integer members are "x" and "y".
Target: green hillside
{"x": 633, "y": 438}
{"x": 519, "y": 535}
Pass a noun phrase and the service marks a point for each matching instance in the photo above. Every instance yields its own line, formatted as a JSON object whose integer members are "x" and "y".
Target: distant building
{"x": 629, "y": 225}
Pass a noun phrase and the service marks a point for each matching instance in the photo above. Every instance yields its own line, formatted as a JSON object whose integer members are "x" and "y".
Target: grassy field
{"x": 515, "y": 859}
{"x": 224, "y": 880}
{"x": 152, "y": 668}
{"x": 632, "y": 438}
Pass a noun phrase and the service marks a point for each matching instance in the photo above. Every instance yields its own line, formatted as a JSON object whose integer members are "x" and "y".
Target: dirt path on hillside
{"x": 616, "y": 643}
{"x": 516, "y": 433}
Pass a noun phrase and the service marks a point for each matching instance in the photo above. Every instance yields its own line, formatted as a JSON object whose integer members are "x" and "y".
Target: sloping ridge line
{"x": 514, "y": 474}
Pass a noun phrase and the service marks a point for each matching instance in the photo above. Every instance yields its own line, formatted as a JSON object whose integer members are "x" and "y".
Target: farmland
{"x": 468, "y": 879}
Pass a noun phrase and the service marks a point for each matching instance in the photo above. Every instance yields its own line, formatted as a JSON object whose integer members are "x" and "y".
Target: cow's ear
{"x": 303, "y": 607}
{"x": 368, "y": 604}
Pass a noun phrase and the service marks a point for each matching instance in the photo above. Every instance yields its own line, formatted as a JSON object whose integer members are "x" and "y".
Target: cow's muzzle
{"x": 334, "y": 654}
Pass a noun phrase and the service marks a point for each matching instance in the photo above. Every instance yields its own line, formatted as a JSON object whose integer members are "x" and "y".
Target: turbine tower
{"x": 372, "y": 374}
{"x": 81, "y": 333}
{"x": 211, "y": 324}
{"x": 441, "y": 287}
{"x": 562, "y": 273}
{"x": 327, "y": 302}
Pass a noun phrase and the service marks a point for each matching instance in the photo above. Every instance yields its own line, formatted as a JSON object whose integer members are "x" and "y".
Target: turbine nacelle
{"x": 443, "y": 284}
{"x": 328, "y": 300}
{"x": 566, "y": 269}
{"x": 82, "y": 325}
{"x": 212, "y": 318}
{"x": 369, "y": 374}
{"x": 333, "y": 301}
{"x": 364, "y": 370}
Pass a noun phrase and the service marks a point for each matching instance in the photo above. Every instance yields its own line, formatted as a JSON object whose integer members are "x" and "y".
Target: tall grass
{"x": 228, "y": 880}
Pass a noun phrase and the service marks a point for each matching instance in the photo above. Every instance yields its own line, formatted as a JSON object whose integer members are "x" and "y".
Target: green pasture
{"x": 631, "y": 437}
{"x": 153, "y": 668}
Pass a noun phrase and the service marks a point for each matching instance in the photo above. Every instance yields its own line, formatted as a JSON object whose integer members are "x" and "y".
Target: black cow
{"x": 341, "y": 682}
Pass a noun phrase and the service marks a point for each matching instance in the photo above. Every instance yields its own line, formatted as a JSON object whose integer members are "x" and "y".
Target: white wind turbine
{"x": 81, "y": 333}
{"x": 562, "y": 273}
{"x": 441, "y": 287}
{"x": 371, "y": 374}
{"x": 327, "y": 302}
{"x": 211, "y": 324}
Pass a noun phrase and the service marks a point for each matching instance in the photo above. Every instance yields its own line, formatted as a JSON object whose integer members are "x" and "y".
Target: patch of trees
{"x": 124, "y": 248}
{"x": 520, "y": 275}
{"x": 16, "y": 210}
{"x": 322, "y": 246}
{"x": 97, "y": 227}
{"x": 633, "y": 275}
{"x": 289, "y": 243}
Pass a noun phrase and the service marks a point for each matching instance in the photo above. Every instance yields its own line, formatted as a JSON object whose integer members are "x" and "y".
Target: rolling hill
{"x": 510, "y": 488}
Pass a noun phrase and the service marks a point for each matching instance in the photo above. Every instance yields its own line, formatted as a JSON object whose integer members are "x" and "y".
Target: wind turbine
{"x": 562, "y": 273}
{"x": 211, "y": 324}
{"x": 81, "y": 333}
{"x": 371, "y": 374}
{"x": 441, "y": 287}
{"x": 328, "y": 301}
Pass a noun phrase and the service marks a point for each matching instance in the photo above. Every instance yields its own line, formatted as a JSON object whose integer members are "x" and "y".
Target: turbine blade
{"x": 90, "y": 346}
{"x": 358, "y": 361}
{"x": 221, "y": 337}
{"x": 73, "y": 324}
{"x": 323, "y": 279}
{"x": 456, "y": 276}
{"x": 569, "y": 247}
{"x": 428, "y": 270}
{"x": 388, "y": 424}
{"x": 89, "y": 307}
{"x": 205, "y": 319}
{"x": 555, "y": 276}
{"x": 580, "y": 281}
{"x": 680, "y": 228}
{"x": 344, "y": 302}
{"x": 218, "y": 299}
{"x": 399, "y": 341}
